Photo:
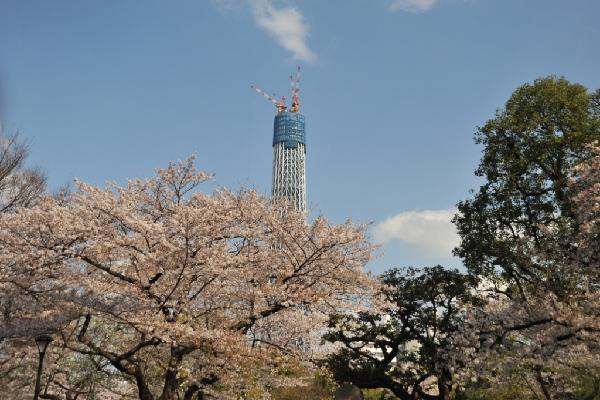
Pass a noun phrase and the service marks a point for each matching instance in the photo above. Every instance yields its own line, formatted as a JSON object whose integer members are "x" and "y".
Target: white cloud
{"x": 414, "y": 6}
{"x": 430, "y": 232}
{"x": 286, "y": 26}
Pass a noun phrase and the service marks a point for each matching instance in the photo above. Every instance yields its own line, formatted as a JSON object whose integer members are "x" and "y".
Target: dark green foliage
{"x": 530, "y": 148}
{"x": 427, "y": 311}
{"x": 520, "y": 230}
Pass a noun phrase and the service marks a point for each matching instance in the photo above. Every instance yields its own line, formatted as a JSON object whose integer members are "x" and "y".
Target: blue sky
{"x": 392, "y": 91}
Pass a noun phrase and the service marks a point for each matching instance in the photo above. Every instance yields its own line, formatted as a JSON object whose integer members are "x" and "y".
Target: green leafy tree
{"x": 530, "y": 149}
{"x": 405, "y": 347}
{"x": 527, "y": 231}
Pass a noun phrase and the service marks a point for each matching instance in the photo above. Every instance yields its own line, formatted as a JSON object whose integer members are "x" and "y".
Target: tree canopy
{"x": 530, "y": 234}
{"x": 164, "y": 290}
{"x": 530, "y": 150}
{"x": 405, "y": 347}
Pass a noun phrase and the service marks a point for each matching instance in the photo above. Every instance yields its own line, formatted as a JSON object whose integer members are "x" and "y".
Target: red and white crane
{"x": 295, "y": 81}
{"x": 280, "y": 104}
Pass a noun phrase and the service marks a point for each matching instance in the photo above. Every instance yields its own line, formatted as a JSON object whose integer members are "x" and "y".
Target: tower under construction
{"x": 289, "y": 151}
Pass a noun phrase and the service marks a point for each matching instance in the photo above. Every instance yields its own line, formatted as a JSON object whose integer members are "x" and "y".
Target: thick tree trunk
{"x": 144, "y": 392}
{"x": 444, "y": 385}
{"x": 191, "y": 391}
{"x": 171, "y": 386}
{"x": 379, "y": 379}
{"x": 398, "y": 390}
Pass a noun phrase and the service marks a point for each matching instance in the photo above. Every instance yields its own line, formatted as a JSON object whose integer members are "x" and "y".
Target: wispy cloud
{"x": 414, "y": 6}
{"x": 286, "y": 25}
{"x": 429, "y": 232}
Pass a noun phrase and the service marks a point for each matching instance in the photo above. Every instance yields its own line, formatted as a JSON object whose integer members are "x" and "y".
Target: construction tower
{"x": 289, "y": 149}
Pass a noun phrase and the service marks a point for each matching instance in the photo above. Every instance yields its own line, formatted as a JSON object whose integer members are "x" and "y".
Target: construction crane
{"x": 295, "y": 81}
{"x": 280, "y": 104}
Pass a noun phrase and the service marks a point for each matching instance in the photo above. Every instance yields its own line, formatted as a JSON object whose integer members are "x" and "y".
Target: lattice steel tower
{"x": 289, "y": 151}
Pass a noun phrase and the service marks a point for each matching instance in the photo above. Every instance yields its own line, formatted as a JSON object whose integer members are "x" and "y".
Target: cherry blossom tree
{"x": 160, "y": 290}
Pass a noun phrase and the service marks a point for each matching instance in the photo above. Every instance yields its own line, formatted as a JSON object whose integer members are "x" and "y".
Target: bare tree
{"x": 19, "y": 185}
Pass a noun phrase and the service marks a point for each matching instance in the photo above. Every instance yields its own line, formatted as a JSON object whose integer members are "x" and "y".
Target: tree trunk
{"x": 191, "y": 391}
{"x": 171, "y": 386}
{"x": 144, "y": 392}
{"x": 543, "y": 385}
{"x": 444, "y": 385}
